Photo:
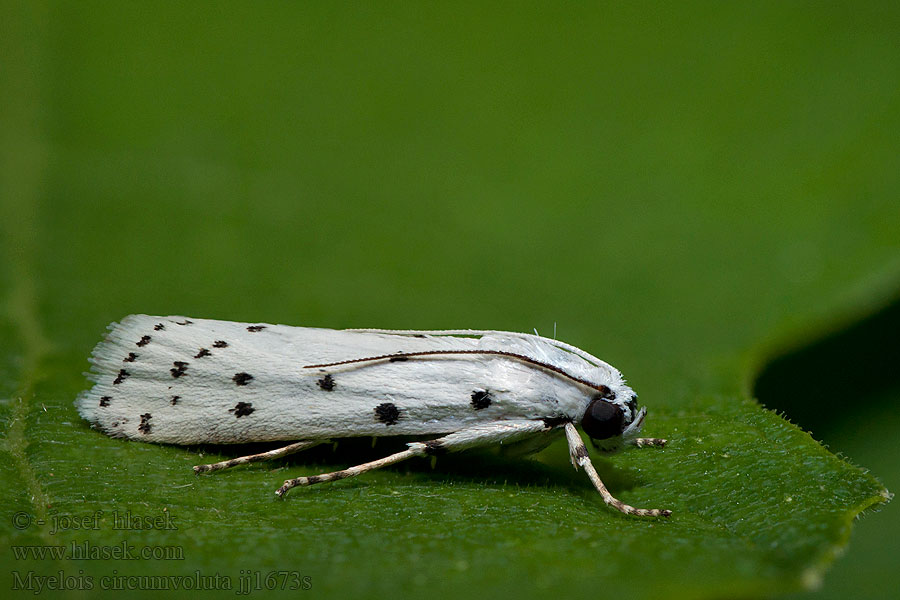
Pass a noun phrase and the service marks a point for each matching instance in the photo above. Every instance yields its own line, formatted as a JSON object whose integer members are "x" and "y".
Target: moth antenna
{"x": 406, "y": 355}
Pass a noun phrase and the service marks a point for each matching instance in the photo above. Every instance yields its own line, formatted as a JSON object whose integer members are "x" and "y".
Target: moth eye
{"x": 602, "y": 420}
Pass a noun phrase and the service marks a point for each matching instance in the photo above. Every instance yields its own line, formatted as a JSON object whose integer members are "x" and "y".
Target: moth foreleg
{"x": 641, "y": 442}
{"x": 580, "y": 458}
{"x": 471, "y": 437}
{"x": 271, "y": 454}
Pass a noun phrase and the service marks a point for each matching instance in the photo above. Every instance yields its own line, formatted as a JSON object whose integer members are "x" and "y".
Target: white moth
{"x": 175, "y": 380}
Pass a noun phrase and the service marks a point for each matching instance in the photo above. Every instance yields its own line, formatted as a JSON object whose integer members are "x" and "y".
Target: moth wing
{"x": 181, "y": 380}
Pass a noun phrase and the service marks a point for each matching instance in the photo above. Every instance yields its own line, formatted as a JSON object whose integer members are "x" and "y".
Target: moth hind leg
{"x": 270, "y": 455}
{"x": 351, "y": 471}
{"x": 471, "y": 437}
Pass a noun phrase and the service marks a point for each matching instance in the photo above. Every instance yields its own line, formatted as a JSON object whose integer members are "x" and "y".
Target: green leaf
{"x": 685, "y": 192}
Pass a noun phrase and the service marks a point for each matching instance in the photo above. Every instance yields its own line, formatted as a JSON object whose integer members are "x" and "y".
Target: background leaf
{"x": 685, "y": 191}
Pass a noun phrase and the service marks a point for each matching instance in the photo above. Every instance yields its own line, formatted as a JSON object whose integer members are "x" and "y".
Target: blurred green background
{"x": 687, "y": 190}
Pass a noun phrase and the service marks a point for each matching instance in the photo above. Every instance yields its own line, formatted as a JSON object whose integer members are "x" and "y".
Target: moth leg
{"x": 478, "y": 435}
{"x": 641, "y": 442}
{"x": 271, "y": 454}
{"x": 579, "y": 454}
{"x": 349, "y": 472}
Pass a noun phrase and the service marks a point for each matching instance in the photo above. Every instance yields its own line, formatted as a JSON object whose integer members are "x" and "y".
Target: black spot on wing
{"x": 242, "y": 409}
{"x": 242, "y": 378}
{"x": 179, "y": 369}
{"x": 130, "y": 358}
{"x": 185, "y": 322}
{"x": 481, "y": 399}
{"x": 202, "y": 352}
{"x": 104, "y": 400}
{"x": 144, "y": 427}
{"x": 399, "y": 359}
{"x": 327, "y": 383}
{"x": 175, "y": 400}
{"x": 123, "y": 374}
{"x": 387, "y": 413}
{"x": 256, "y": 328}
{"x": 145, "y": 339}
{"x": 220, "y": 344}
{"x": 159, "y": 327}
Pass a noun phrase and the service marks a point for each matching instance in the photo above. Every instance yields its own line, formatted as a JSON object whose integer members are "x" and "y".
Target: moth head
{"x": 612, "y": 417}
